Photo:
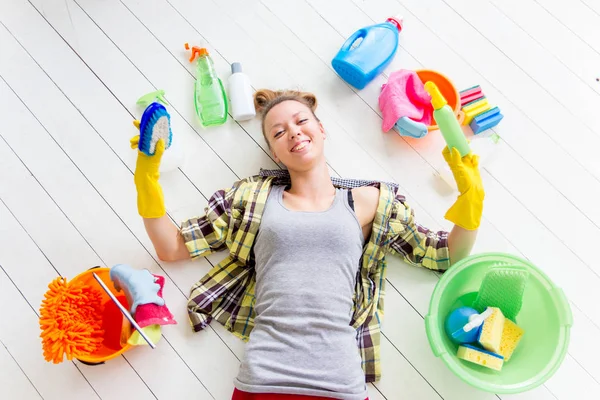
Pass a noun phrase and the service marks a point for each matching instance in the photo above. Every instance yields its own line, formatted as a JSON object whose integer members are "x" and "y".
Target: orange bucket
{"x": 112, "y": 318}
{"x": 447, "y": 89}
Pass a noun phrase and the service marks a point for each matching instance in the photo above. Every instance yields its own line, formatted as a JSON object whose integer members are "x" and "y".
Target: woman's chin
{"x": 301, "y": 162}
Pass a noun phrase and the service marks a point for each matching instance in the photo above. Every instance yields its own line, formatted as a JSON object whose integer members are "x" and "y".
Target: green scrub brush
{"x": 503, "y": 287}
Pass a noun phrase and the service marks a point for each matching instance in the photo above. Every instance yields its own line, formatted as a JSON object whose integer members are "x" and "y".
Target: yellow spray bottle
{"x": 446, "y": 120}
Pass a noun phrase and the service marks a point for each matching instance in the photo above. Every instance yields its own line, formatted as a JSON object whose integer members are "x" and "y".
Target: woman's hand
{"x": 466, "y": 212}
{"x": 150, "y": 199}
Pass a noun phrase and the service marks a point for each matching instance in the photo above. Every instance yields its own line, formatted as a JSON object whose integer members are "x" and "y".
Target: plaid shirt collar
{"x": 283, "y": 178}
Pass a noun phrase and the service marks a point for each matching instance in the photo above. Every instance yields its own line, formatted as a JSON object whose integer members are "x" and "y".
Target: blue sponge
{"x": 155, "y": 125}
{"x": 486, "y": 120}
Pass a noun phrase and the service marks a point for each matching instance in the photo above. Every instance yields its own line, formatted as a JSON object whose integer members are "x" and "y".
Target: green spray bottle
{"x": 446, "y": 120}
{"x": 210, "y": 99}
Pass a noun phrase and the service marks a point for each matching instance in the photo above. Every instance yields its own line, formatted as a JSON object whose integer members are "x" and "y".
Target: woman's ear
{"x": 322, "y": 128}
{"x": 275, "y": 158}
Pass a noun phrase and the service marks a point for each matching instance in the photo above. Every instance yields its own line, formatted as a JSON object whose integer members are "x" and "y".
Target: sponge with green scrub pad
{"x": 503, "y": 287}
{"x": 479, "y": 356}
{"x": 511, "y": 336}
{"x": 490, "y": 334}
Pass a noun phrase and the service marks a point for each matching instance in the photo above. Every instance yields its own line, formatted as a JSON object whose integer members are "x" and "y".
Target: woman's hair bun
{"x": 265, "y": 99}
{"x": 262, "y": 98}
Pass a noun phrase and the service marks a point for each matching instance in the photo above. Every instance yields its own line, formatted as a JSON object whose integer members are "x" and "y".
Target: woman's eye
{"x": 303, "y": 120}
{"x": 278, "y": 133}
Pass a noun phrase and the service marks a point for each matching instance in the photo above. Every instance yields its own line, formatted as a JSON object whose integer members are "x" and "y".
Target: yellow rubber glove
{"x": 150, "y": 199}
{"x": 467, "y": 210}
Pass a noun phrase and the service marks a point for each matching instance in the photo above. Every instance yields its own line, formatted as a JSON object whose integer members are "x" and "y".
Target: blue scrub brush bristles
{"x": 155, "y": 125}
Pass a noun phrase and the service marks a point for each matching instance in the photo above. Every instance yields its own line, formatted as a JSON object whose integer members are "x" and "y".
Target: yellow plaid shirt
{"x": 231, "y": 222}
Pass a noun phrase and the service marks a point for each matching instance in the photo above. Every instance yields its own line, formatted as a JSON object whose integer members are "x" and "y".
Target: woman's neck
{"x": 312, "y": 184}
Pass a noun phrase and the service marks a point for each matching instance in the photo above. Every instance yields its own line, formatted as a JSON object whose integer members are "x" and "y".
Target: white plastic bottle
{"x": 240, "y": 94}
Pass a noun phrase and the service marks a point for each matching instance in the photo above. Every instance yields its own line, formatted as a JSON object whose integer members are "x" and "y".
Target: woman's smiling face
{"x": 295, "y": 136}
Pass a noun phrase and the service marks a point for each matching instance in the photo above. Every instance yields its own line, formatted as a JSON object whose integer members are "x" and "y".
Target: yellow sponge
{"x": 490, "y": 335}
{"x": 511, "y": 336}
{"x": 479, "y": 356}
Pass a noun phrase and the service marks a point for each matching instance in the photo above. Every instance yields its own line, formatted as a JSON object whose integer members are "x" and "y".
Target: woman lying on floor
{"x": 303, "y": 281}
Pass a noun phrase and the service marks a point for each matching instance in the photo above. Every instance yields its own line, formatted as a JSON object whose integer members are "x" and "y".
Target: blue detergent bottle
{"x": 367, "y": 52}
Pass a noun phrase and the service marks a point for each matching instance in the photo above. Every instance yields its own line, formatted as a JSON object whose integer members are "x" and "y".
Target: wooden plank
{"x": 564, "y": 44}
{"x": 374, "y": 394}
{"x": 235, "y": 147}
{"x": 581, "y": 94}
{"x": 19, "y": 257}
{"x": 255, "y": 130}
{"x": 15, "y": 384}
{"x": 564, "y": 385}
{"x": 181, "y": 197}
{"x": 582, "y": 338}
{"x": 593, "y": 5}
{"x": 76, "y": 195}
{"x": 395, "y": 382}
{"x": 126, "y": 84}
{"x": 571, "y": 97}
{"x": 581, "y": 17}
{"x": 32, "y": 203}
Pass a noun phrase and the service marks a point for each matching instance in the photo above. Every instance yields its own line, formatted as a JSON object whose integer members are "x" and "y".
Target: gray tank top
{"x": 306, "y": 269}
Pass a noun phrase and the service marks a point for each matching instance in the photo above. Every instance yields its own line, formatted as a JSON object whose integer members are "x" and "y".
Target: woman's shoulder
{"x": 366, "y": 194}
{"x": 366, "y": 199}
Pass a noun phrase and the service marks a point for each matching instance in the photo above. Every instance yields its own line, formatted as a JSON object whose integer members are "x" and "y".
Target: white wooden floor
{"x": 72, "y": 70}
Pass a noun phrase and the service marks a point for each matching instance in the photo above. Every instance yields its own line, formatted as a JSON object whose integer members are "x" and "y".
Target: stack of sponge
{"x": 478, "y": 112}
{"x": 500, "y": 297}
{"x": 498, "y": 339}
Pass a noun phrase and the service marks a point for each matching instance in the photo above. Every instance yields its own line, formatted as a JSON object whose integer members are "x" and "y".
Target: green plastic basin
{"x": 545, "y": 317}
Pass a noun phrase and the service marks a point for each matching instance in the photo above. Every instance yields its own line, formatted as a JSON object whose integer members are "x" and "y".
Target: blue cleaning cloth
{"x": 408, "y": 127}
{"x": 139, "y": 286}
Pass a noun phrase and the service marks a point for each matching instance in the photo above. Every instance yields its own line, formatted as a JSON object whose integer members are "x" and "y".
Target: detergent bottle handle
{"x": 355, "y": 36}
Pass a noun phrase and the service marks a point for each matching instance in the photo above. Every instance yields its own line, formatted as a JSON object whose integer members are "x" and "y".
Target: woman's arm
{"x": 166, "y": 238}
{"x": 460, "y": 243}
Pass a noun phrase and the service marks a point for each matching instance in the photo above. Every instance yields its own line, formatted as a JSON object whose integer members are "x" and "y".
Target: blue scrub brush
{"x": 155, "y": 125}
